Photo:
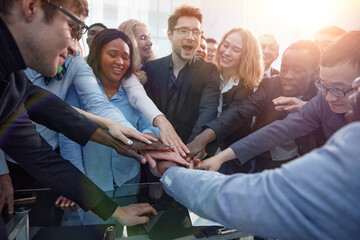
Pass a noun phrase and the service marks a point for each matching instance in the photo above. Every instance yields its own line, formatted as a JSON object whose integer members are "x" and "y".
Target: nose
{"x": 149, "y": 42}
{"x": 119, "y": 61}
{"x": 73, "y": 48}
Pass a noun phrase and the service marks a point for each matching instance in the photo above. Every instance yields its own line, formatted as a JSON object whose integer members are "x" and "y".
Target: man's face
{"x": 341, "y": 77}
{"x": 323, "y": 40}
{"x": 144, "y": 42}
{"x": 354, "y": 114}
{"x": 296, "y": 72}
{"x": 185, "y": 45}
{"x": 202, "y": 49}
{"x": 270, "y": 51}
{"x": 93, "y": 31}
{"x": 49, "y": 43}
{"x": 211, "y": 51}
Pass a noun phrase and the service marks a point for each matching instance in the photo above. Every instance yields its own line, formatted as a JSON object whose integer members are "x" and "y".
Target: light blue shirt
{"x": 80, "y": 75}
{"x": 316, "y": 196}
{"x": 100, "y": 163}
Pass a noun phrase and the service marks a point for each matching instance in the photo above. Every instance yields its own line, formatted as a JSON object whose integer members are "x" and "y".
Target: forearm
{"x": 204, "y": 138}
{"x": 102, "y": 122}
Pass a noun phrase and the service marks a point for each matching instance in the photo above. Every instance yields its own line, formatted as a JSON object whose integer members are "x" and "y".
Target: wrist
{"x": 160, "y": 121}
{"x": 207, "y": 136}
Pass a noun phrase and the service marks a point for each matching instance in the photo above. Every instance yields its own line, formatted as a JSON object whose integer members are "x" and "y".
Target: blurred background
{"x": 288, "y": 20}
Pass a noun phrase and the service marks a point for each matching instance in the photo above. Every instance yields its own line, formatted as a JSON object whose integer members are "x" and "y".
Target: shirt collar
{"x": 229, "y": 85}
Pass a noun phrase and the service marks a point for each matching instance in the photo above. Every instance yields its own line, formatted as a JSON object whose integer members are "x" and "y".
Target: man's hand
{"x": 162, "y": 166}
{"x": 64, "y": 202}
{"x": 132, "y": 215}
{"x": 198, "y": 145}
{"x": 288, "y": 103}
{"x": 6, "y": 192}
{"x": 152, "y": 157}
{"x": 169, "y": 136}
{"x": 102, "y": 137}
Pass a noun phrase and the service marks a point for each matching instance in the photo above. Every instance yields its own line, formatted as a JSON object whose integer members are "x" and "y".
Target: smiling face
{"x": 338, "y": 76}
{"x": 45, "y": 45}
{"x": 115, "y": 61}
{"x": 144, "y": 42}
{"x": 185, "y": 45}
{"x": 270, "y": 50}
{"x": 211, "y": 51}
{"x": 230, "y": 51}
{"x": 296, "y": 72}
{"x": 202, "y": 49}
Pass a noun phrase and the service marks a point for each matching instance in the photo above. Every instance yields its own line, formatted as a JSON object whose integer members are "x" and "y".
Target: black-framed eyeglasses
{"x": 334, "y": 91}
{"x": 74, "y": 32}
{"x": 185, "y": 31}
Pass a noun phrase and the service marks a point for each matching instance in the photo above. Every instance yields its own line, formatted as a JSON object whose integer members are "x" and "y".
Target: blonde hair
{"x": 128, "y": 27}
{"x": 251, "y": 67}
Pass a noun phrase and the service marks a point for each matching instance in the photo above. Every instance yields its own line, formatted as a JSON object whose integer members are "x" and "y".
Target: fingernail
{"x": 129, "y": 142}
{"x": 150, "y": 142}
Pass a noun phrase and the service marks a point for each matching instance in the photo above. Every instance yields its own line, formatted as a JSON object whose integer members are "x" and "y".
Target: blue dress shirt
{"x": 100, "y": 163}
{"x": 314, "y": 197}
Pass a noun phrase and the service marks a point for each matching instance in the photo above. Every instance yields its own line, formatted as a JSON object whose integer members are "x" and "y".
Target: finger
{"x": 124, "y": 139}
{"x": 58, "y": 200}
{"x": 151, "y": 161}
{"x": 280, "y": 108}
{"x": 147, "y": 208}
{"x": 10, "y": 204}
{"x": 137, "y": 157}
{"x": 67, "y": 202}
{"x": 184, "y": 147}
{"x": 180, "y": 148}
{"x": 72, "y": 204}
{"x": 139, "y": 136}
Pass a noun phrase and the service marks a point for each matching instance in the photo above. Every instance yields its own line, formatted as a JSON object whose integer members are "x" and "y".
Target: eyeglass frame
{"x": 189, "y": 30}
{"x": 84, "y": 28}
{"x": 324, "y": 89}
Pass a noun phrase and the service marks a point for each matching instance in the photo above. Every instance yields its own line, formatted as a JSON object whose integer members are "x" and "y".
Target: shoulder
{"x": 157, "y": 62}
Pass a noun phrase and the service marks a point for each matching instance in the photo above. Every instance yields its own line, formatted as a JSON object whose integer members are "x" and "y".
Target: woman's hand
{"x": 169, "y": 136}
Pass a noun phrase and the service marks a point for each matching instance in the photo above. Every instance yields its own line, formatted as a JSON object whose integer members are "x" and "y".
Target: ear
{"x": 30, "y": 8}
{"x": 169, "y": 34}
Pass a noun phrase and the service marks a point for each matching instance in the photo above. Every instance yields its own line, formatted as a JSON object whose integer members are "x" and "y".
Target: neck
{"x": 178, "y": 63}
{"x": 110, "y": 87}
{"x": 227, "y": 74}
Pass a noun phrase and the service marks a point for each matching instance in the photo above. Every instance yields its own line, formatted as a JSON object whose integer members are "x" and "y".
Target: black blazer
{"x": 198, "y": 96}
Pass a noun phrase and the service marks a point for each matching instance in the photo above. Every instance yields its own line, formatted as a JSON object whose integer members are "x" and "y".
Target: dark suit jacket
{"x": 198, "y": 99}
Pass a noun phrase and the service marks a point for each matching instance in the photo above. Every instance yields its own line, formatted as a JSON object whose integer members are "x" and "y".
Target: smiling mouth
{"x": 118, "y": 69}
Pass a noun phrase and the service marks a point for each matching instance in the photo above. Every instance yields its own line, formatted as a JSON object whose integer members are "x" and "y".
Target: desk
{"x": 172, "y": 222}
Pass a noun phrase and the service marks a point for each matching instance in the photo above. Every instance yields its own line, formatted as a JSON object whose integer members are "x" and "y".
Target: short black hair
{"x": 97, "y": 24}
{"x": 211, "y": 40}
{"x": 310, "y": 46}
{"x": 344, "y": 49}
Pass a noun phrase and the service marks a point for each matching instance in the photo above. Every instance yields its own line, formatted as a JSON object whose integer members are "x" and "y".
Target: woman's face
{"x": 230, "y": 52}
{"x": 144, "y": 42}
{"x": 115, "y": 60}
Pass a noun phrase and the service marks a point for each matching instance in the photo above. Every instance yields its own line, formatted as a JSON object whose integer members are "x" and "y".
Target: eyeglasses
{"x": 334, "y": 91}
{"x": 75, "y": 32}
{"x": 185, "y": 31}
